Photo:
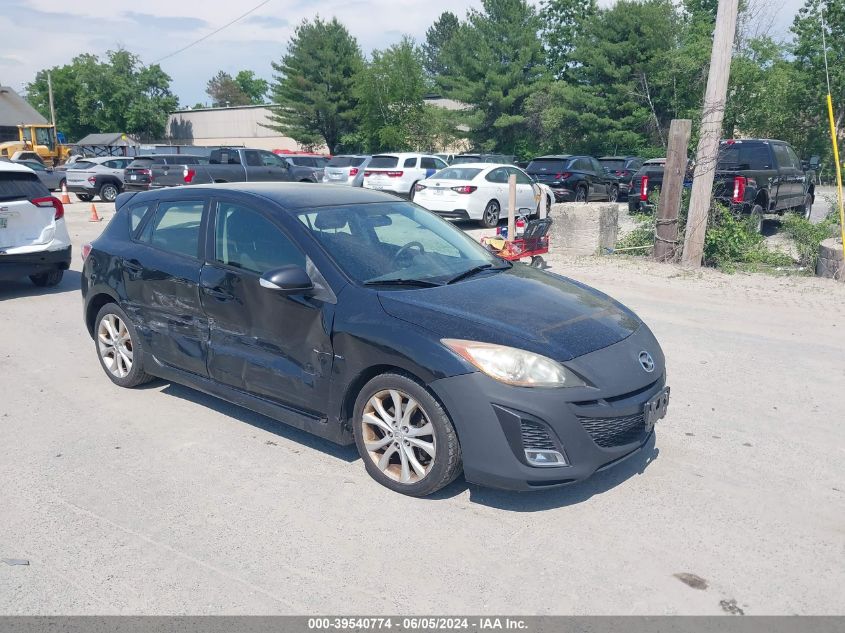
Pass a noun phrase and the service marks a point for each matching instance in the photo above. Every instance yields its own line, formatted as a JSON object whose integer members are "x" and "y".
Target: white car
{"x": 34, "y": 240}
{"x": 399, "y": 173}
{"x": 479, "y": 191}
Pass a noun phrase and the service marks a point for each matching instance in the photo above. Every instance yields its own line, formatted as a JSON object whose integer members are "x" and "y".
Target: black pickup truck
{"x": 759, "y": 176}
{"x": 229, "y": 165}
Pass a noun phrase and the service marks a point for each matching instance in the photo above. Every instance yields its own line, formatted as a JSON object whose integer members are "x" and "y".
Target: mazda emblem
{"x": 646, "y": 361}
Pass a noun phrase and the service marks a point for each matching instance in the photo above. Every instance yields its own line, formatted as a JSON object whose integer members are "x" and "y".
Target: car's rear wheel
{"x": 581, "y": 194}
{"x": 613, "y": 196}
{"x": 755, "y": 219}
{"x": 405, "y": 436}
{"x": 109, "y": 192}
{"x": 84, "y": 197}
{"x": 413, "y": 192}
{"x": 119, "y": 347}
{"x": 48, "y": 279}
{"x": 490, "y": 217}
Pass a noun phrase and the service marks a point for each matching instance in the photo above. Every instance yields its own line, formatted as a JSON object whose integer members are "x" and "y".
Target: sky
{"x": 41, "y": 34}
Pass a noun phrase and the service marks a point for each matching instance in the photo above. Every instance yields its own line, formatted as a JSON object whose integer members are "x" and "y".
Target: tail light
{"x": 644, "y": 188}
{"x": 367, "y": 174}
{"x": 92, "y": 180}
{"x": 739, "y": 188}
{"x": 563, "y": 175}
{"x": 395, "y": 174}
{"x": 623, "y": 172}
{"x": 353, "y": 171}
{"x": 188, "y": 175}
{"x": 464, "y": 189}
{"x": 50, "y": 201}
{"x": 419, "y": 187}
{"x": 86, "y": 251}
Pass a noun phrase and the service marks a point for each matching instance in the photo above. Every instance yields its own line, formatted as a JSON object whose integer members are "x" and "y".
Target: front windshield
{"x": 392, "y": 241}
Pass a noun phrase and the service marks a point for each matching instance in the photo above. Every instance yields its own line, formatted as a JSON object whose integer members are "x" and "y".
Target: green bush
{"x": 732, "y": 240}
{"x": 808, "y": 236}
{"x": 640, "y": 241}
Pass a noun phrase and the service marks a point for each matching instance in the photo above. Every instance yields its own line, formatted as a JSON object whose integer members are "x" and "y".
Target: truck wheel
{"x": 806, "y": 209}
{"x": 755, "y": 218}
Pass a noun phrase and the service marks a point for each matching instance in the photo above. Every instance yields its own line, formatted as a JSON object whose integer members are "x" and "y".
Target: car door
{"x": 787, "y": 178}
{"x": 524, "y": 191}
{"x": 497, "y": 185}
{"x": 161, "y": 278}
{"x": 799, "y": 186}
{"x": 270, "y": 345}
{"x": 602, "y": 180}
{"x": 277, "y": 168}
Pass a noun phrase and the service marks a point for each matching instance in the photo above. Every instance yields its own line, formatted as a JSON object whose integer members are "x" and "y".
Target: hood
{"x": 521, "y": 307}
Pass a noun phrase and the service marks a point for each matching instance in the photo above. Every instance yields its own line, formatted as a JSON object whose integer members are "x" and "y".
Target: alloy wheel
{"x": 115, "y": 345}
{"x": 491, "y": 214}
{"x": 398, "y": 436}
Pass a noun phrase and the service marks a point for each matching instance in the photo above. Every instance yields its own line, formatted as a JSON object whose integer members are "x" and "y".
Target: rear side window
{"x": 383, "y": 162}
{"x": 429, "y": 163}
{"x": 82, "y": 164}
{"x": 547, "y": 166}
{"x": 612, "y": 164}
{"x": 410, "y": 163}
{"x": 140, "y": 163}
{"x": 176, "y": 227}
{"x": 346, "y": 161}
{"x": 136, "y": 215}
{"x": 21, "y": 186}
{"x": 747, "y": 156}
{"x": 247, "y": 240}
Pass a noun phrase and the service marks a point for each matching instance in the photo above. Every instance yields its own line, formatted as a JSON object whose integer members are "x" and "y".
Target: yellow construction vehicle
{"x": 37, "y": 139}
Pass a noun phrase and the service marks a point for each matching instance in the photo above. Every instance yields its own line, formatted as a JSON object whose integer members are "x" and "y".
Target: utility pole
{"x": 666, "y": 233}
{"x": 711, "y": 130}
{"x": 52, "y": 113}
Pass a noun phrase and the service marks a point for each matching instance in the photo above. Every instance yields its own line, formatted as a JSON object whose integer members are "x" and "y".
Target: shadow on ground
{"x": 25, "y": 288}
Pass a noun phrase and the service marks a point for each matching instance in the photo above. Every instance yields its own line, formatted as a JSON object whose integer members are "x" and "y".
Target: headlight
{"x": 514, "y": 366}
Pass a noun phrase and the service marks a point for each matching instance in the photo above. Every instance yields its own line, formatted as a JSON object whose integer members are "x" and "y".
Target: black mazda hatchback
{"x": 364, "y": 318}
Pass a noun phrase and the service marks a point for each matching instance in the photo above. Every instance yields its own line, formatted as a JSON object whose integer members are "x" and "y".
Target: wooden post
{"x": 512, "y": 207}
{"x": 711, "y": 130}
{"x": 666, "y": 230}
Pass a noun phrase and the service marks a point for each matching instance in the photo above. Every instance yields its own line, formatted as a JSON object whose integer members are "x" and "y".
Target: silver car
{"x": 97, "y": 177}
{"x": 346, "y": 170}
{"x": 49, "y": 177}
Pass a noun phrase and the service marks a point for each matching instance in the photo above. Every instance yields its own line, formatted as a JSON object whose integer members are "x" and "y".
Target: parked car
{"x": 399, "y": 173}
{"x": 478, "y": 191}
{"x": 574, "y": 178}
{"x": 500, "y": 159}
{"x": 49, "y": 177}
{"x": 645, "y": 186}
{"x": 346, "y": 170}
{"x": 759, "y": 176}
{"x": 624, "y": 168}
{"x": 365, "y": 319}
{"x": 97, "y": 177}
{"x": 314, "y": 162}
{"x": 222, "y": 165}
{"x": 34, "y": 240}
{"x": 139, "y": 173}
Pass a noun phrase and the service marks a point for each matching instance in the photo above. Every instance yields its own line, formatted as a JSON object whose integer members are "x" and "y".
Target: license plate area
{"x": 655, "y": 409}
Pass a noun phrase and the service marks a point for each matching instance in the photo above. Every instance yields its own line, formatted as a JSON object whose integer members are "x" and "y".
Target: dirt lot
{"x": 163, "y": 500}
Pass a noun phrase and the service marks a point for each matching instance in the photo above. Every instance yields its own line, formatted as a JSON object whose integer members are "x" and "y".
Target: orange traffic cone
{"x": 65, "y": 197}
{"x": 94, "y": 217}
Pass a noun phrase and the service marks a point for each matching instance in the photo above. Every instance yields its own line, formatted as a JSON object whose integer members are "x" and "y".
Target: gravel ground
{"x": 162, "y": 500}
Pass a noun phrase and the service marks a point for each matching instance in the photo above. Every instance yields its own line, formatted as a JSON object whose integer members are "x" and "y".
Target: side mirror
{"x": 287, "y": 280}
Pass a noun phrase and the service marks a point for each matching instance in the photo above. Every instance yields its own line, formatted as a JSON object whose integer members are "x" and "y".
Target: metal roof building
{"x": 15, "y": 110}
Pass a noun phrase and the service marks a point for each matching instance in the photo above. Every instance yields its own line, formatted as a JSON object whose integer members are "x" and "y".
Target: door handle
{"x": 218, "y": 293}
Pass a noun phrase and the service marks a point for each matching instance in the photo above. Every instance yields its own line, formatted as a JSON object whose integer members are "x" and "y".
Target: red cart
{"x": 533, "y": 243}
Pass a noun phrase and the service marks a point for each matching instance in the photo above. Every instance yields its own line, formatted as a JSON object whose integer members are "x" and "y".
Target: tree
{"x": 438, "y": 36}
{"x": 391, "y": 113}
{"x": 493, "y": 63}
{"x": 253, "y": 87}
{"x": 119, "y": 94}
{"x": 312, "y": 87}
{"x": 562, "y": 21}
{"x": 225, "y": 91}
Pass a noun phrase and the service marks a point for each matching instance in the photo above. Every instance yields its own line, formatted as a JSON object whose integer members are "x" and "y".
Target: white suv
{"x": 34, "y": 240}
{"x": 399, "y": 173}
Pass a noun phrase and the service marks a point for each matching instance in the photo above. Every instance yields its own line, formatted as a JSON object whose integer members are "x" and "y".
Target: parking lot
{"x": 165, "y": 500}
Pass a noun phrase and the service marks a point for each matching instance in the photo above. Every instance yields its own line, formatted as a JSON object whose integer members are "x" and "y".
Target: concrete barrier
{"x": 583, "y": 229}
{"x": 831, "y": 263}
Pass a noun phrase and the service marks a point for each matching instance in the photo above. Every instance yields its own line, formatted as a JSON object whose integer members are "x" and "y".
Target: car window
{"x": 750, "y": 156}
{"x": 84, "y": 164}
{"x": 613, "y": 164}
{"x": 112, "y": 164}
{"x": 793, "y": 157}
{"x": 20, "y": 186}
{"x": 429, "y": 163}
{"x": 440, "y": 164}
{"x": 252, "y": 159}
{"x": 346, "y": 161}
{"x": 595, "y": 166}
{"x": 247, "y": 240}
{"x": 176, "y": 227}
{"x": 136, "y": 215}
{"x": 35, "y": 166}
{"x": 410, "y": 163}
{"x": 457, "y": 173}
{"x": 497, "y": 175}
{"x": 404, "y": 229}
{"x": 383, "y": 162}
{"x": 548, "y": 166}
{"x": 269, "y": 159}
{"x": 521, "y": 177}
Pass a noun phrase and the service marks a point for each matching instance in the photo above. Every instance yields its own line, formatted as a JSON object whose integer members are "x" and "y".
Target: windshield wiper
{"x": 474, "y": 270}
{"x": 421, "y": 283}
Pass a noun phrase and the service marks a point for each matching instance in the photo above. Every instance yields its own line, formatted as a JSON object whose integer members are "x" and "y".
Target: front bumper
{"x": 20, "y": 265}
{"x": 497, "y": 422}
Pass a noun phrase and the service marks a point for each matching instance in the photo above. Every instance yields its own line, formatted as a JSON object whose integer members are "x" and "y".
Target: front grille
{"x": 536, "y": 437}
{"x": 610, "y": 432}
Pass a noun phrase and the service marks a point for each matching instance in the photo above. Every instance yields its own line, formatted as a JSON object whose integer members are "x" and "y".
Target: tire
{"x": 755, "y": 218}
{"x": 492, "y": 212}
{"x": 48, "y": 279}
{"x": 806, "y": 210}
{"x": 413, "y": 192}
{"x": 613, "y": 196}
{"x": 121, "y": 371}
{"x": 537, "y": 261}
{"x": 306, "y": 180}
{"x": 85, "y": 197}
{"x": 109, "y": 192}
{"x": 632, "y": 207}
{"x": 428, "y": 460}
{"x": 581, "y": 194}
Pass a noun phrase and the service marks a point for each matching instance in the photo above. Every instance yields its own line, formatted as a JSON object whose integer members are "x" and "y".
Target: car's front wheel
{"x": 119, "y": 347}
{"x": 109, "y": 192}
{"x": 405, "y": 436}
{"x": 490, "y": 217}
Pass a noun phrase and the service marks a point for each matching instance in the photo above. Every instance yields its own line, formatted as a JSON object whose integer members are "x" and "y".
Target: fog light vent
{"x": 540, "y": 449}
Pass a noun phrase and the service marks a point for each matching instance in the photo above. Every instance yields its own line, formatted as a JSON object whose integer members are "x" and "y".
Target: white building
{"x": 241, "y": 125}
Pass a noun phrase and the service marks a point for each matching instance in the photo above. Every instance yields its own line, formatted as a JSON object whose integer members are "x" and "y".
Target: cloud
{"x": 165, "y": 23}
{"x": 267, "y": 21}
{"x": 10, "y": 60}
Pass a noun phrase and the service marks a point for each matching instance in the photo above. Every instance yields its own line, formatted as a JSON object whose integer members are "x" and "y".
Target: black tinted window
{"x": 548, "y": 166}
{"x": 410, "y": 163}
{"x": 745, "y": 156}
{"x": 428, "y": 163}
{"x": 383, "y": 162}
{"x": 140, "y": 163}
{"x": 612, "y": 164}
{"x": 247, "y": 240}
{"x": 252, "y": 159}
{"x": 346, "y": 161}
{"x": 21, "y": 186}
{"x": 82, "y": 164}
{"x": 176, "y": 227}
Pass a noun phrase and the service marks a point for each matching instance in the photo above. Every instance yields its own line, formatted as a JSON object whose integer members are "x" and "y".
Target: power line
{"x": 215, "y": 32}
